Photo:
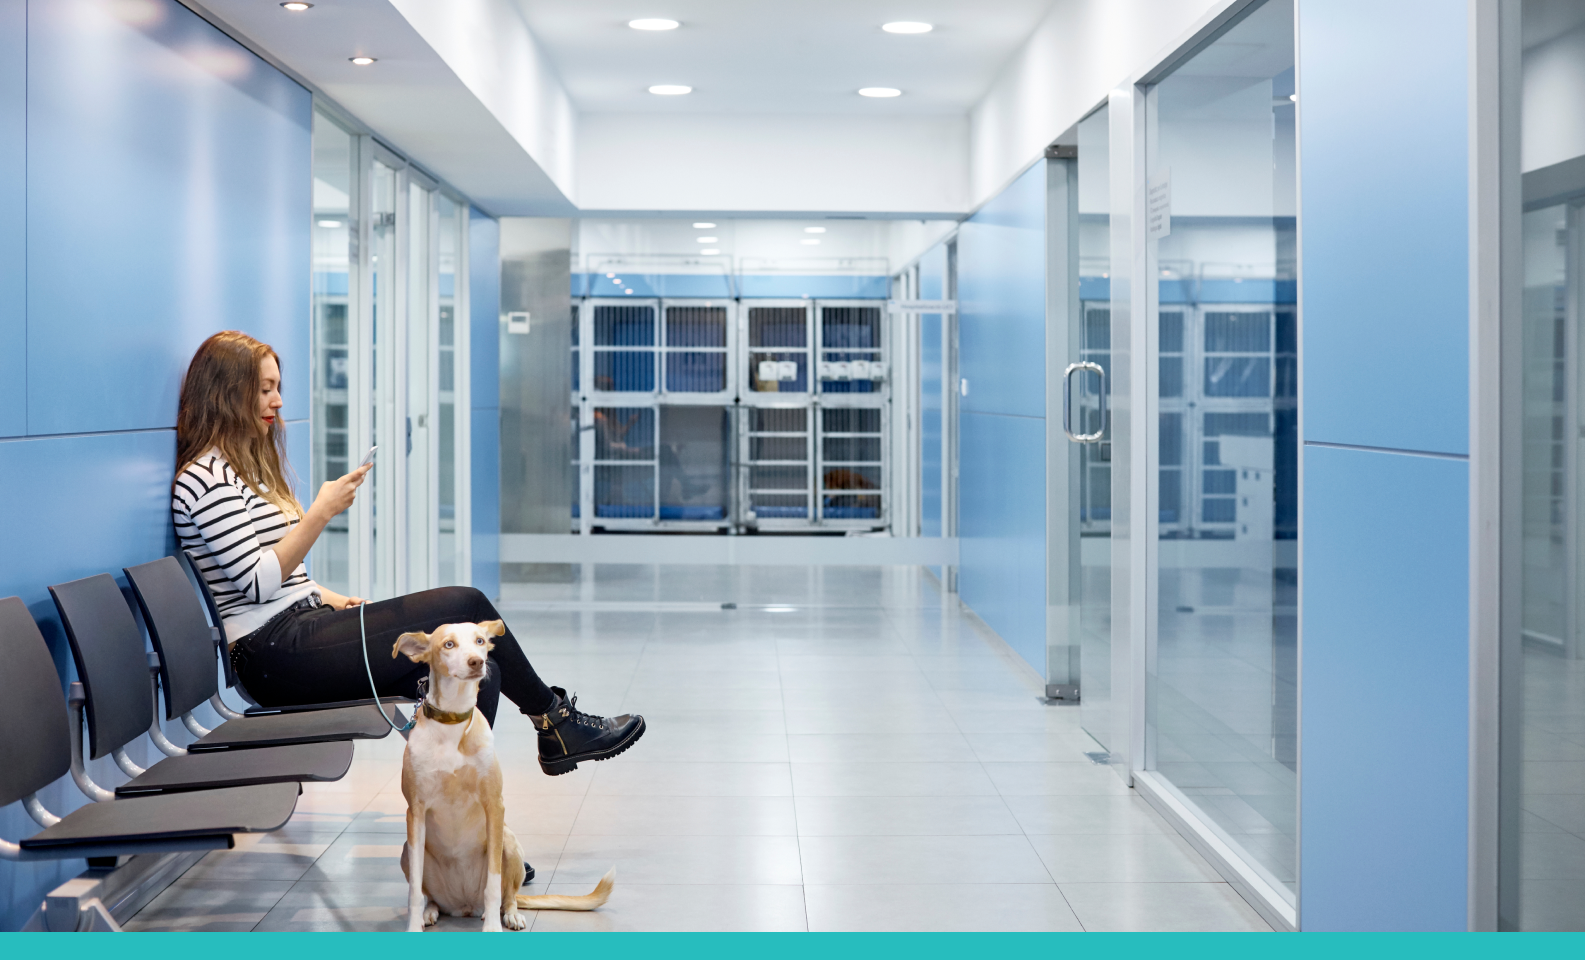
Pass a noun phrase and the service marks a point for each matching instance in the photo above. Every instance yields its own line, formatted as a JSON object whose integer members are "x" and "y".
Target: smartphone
{"x": 368, "y": 458}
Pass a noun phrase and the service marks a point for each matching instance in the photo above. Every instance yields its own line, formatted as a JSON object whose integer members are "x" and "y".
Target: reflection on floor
{"x": 1226, "y": 697}
{"x": 1552, "y": 857}
{"x": 843, "y": 751}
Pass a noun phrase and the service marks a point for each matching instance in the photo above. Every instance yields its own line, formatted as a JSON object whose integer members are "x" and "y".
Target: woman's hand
{"x": 334, "y": 497}
{"x": 336, "y": 601}
{"x": 337, "y": 495}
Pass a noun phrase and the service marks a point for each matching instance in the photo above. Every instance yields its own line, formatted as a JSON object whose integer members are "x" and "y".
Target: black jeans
{"x": 313, "y": 655}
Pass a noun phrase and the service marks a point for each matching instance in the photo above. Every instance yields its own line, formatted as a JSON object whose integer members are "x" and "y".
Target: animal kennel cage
{"x": 708, "y": 415}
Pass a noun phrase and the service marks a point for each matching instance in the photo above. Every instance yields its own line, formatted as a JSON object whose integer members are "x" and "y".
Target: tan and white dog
{"x": 460, "y": 859}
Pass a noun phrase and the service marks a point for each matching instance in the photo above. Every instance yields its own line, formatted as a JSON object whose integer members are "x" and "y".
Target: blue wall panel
{"x": 1002, "y": 300}
{"x": 166, "y": 194}
{"x": 1385, "y": 535}
{"x": 112, "y": 493}
{"x": 1002, "y": 443}
{"x": 165, "y": 201}
{"x": 932, "y": 370}
{"x": 1385, "y": 187}
{"x": 1002, "y": 522}
{"x": 484, "y": 304}
{"x": 1386, "y": 684}
{"x": 13, "y": 223}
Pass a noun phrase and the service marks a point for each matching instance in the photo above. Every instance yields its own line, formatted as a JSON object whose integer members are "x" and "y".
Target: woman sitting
{"x": 293, "y": 641}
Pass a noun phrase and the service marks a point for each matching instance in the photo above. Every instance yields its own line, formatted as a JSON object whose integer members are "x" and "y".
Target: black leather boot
{"x": 567, "y": 736}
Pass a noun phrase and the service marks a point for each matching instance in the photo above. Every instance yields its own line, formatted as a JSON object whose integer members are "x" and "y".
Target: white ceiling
{"x": 779, "y": 56}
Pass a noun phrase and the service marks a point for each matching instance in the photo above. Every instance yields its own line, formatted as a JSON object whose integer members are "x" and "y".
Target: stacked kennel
{"x": 721, "y": 415}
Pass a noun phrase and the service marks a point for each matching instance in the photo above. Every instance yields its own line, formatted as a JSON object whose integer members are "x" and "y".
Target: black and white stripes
{"x": 231, "y": 530}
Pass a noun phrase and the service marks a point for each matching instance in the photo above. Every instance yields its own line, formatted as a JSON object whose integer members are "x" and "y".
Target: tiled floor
{"x": 843, "y": 751}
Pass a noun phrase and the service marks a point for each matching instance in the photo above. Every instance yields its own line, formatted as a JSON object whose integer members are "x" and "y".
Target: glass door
{"x": 451, "y": 406}
{"x": 335, "y": 253}
{"x": 1090, "y": 342}
{"x": 421, "y": 344}
{"x": 1222, "y": 578}
{"x": 381, "y": 494}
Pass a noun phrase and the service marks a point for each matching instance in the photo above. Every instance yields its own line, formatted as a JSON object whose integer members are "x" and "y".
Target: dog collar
{"x": 445, "y": 716}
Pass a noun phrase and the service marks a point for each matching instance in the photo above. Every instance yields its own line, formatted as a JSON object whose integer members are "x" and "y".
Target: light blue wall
{"x": 932, "y": 368}
{"x": 1002, "y": 447}
{"x": 166, "y": 194}
{"x": 1385, "y": 643}
{"x": 484, "y": 304}
{"x": 13, "y": 214}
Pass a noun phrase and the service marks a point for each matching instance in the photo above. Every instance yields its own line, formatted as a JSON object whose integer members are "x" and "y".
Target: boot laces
{"x": 579, "y": 717}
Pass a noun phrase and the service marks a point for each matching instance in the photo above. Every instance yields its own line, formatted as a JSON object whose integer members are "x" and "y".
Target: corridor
{"x": 847, "y": 749}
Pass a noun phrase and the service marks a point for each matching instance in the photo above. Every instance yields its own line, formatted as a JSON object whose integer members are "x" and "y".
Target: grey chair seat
{"x": 294, "y": 763}
{"x": 259, "y": 711}
{"x": 276, "y": 729}
{"x": 214, "y": 814}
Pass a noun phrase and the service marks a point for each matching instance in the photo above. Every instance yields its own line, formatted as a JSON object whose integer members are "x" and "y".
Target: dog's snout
{"x": 475, "y": 663}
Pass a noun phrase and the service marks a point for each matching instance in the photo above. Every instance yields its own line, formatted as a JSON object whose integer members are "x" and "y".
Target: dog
{"x": 460, "y": 859}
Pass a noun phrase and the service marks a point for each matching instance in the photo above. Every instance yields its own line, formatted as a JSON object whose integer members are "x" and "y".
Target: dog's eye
{"x": 450, "y": 644}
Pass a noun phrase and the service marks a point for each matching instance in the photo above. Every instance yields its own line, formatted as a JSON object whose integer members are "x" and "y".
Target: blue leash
{"x": 364, "y": 634}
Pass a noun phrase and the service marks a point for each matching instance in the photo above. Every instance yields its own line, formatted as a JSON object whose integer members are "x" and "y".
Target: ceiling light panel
{"x": 653, "y": 23}
{"x": 907, "y": 26}
{"x": 362, "y": 61}
{"x": 704, "y": 226}
{"x": 880, "y": 92}
{"x": 670, "y": 89}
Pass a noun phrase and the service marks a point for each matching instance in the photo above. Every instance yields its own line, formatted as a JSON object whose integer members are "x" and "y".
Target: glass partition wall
{"x": 390, "y": 367}
{"x": 1221, "y": 583}
{"x": 1541, "y": 802}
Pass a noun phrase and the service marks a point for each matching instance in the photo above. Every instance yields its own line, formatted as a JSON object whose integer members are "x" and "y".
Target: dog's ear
{"x": 493, "y": 628}
{"x": 415, "y": 645}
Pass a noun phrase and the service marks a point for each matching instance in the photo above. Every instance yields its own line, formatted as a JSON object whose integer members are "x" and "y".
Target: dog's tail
{"x": 589, "y": 901}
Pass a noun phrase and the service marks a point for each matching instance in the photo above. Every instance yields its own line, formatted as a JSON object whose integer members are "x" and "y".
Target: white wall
{"x": 1078, "y": 53}
{"x": 783, "y": 163}
{"x": 1554, "y": 90}
{"x": 490, "y": 49}
{"x": 868, "y": 247}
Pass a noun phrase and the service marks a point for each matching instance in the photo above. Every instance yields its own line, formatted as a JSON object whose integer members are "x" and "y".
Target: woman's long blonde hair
{"x": 219, "y": 408}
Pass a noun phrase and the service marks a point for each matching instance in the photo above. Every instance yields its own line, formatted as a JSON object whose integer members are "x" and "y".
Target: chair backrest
{"x": 194, "y": 565}
{"x": 175, "y": 618}
{"x": 108, "y": 650}
{"x": 35, "y": 751}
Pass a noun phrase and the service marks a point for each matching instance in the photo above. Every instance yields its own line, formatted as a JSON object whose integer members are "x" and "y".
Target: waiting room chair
{"x": 36, "y": 751}
{"x": 121, "y": 697}
{"x": 186, "y": 646}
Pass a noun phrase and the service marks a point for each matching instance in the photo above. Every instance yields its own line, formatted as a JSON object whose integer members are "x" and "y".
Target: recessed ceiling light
{"x": 704, "y": 226}
{"x": 617, "y": 281}
{"x": 332, "y": 224}
{"x": 710, "y": 252}
{"x": 362, "y": 61}
{"x": 907, "y": 26}
{"x": 879, "y": 92}
{"x": 670, "y": 89}
{"x": 814, "y": 229}
{"x": 628, "y": 290}
{"x": 1294, "y": 97}
{"x": 609, "y": 275}
{"x": 708, "y": 240}
{"x": 810, "y": 243}
{"x": 296, "y": 7}
{"x": 654, "y": 23}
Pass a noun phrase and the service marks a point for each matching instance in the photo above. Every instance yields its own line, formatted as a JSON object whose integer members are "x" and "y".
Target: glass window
{"x": 1221, "y": 689}
{"x": 335, "y": 176}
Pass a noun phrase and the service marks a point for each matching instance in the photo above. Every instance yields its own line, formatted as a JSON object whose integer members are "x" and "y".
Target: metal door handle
{"x": 1067, "y": 401}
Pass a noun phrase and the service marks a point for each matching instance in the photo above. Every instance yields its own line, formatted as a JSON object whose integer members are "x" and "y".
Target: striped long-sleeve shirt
{"x": 231, "y": 530}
